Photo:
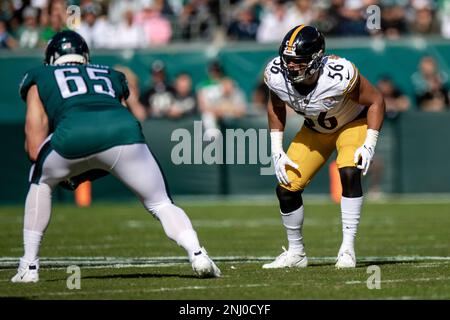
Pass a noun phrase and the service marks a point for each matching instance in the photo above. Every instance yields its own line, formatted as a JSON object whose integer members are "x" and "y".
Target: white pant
{"x": 132, "y": 164}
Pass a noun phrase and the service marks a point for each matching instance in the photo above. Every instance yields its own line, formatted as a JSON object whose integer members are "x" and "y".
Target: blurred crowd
{"x": 215, "y": 97}
{"x": 219, "y": 96}
{"x": 128, "y": 24}
{"x": 147, "y": 23}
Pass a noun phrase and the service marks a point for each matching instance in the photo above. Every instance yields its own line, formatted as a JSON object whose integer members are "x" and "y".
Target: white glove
{"x": 366, "y": 151}
{"x": 280, "y": 158}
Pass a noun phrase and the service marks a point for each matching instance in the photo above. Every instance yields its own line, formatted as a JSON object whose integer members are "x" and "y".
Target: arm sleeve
{"x": 124, "y": 85}
{"x": 27, "y": 82}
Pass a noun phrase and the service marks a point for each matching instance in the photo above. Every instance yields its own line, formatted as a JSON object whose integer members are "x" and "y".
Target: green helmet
{"x": 66, "y": 47}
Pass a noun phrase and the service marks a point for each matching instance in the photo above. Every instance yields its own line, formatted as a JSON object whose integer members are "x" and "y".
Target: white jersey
{"x": 327, "y": 107}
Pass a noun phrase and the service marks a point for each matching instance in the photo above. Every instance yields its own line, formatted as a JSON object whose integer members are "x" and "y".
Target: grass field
{"x": 124, "y": 254}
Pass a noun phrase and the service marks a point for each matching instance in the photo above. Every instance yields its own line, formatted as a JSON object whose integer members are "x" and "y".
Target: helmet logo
{"x": 66, "y": 46}
{"x": 289, "y": 50}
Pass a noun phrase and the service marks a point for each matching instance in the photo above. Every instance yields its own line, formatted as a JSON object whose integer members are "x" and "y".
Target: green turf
{"x": 387, "y": 231}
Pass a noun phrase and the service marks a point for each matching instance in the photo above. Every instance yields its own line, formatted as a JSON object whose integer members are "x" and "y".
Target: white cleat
{"x": 27, "y": 272}
{"x": 203, "y": 266}
{"x": 346, "y": 259}
{"x": 288, "y": 259}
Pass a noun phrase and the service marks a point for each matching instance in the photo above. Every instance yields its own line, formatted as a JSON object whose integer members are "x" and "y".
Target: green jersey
{"x": 83, "y": 105}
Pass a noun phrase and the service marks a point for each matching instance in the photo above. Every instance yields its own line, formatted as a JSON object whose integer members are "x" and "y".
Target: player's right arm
{"x": 136, "y": 108}
{"x": 36, "y": 123}
{"x": 276, "y": 112}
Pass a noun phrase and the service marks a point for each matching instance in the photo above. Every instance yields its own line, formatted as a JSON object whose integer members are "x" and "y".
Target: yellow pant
{"x": 310, "y": 150}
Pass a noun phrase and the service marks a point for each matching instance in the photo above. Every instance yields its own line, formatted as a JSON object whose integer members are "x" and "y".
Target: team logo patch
{"x": 329, "y": 102}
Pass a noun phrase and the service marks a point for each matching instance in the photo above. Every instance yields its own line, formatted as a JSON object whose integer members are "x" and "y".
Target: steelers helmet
{"x": 305, "y": 46}
{"x": 66, "y": 47}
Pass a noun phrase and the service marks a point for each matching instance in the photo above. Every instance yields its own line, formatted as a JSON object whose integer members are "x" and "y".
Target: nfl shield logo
{"x": 328, "y": 102}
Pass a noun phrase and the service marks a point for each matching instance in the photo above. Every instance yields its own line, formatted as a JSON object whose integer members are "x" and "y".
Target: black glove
{"x": 91, "y": 175}
{"x": 69, "y": 184}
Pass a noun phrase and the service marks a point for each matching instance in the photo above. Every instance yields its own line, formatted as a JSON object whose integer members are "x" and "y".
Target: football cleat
{"x": 203, "y": 266}
{"x": 27, "y": 272}
{"x": 288, "y": 259}
{"x": 346, "y": 259}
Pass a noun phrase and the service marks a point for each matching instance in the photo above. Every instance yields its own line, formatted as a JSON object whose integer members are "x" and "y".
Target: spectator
{"x": 184, "y": 101}
{"x": 395, "y": 100}
{"x": 128, "y": 34}
{"x": 29, "y": 32}
{"x": 327, "y": 18}
{"x": 352, "y": 22}
{"x": 430, "y": 86}
{"x": 444, "y": 11}
{"x": 301, "y": 12}
{"x": 210, "y": 90}
{"x": 6, "y": 40}
{"x": 156, "y": 27}
{"x": 436, "y": 98}
{"x": 158, "y": 98}
{"x": 94, "y": 29}
{"x": 117, "y": 9}
{"x": 210, "y": 87}
{"x": 40, "y": 4}
{"x": 393, "y": 19}
{"x": 274, "y": 22}
{"x": 136, "y": 108}
{"x": 196, "y": 20}
{"x": 56, "y": 25}
{"x": 424, "y": 21}
{"x": 260, "y": 98}
{"x": 227, "y": 102}
{"x": 244, "y": 26}
{"x": 164, "y": 7}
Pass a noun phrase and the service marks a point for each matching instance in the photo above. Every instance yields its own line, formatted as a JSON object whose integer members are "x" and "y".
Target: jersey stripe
{"x": 294, "y": 34}
{"x": 353, "y": 80}
{"x": 43, "y": 154}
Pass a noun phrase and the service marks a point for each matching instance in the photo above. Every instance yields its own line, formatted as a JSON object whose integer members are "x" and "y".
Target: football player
{"x": 77, "y": 124}
{"x": 342, "y": 112}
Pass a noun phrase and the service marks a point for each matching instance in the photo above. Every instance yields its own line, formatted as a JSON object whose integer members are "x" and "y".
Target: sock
{"x": 36, "y": 219}
{"x": 177, "y": 227}
{"x": 189, "y": 241}
{"x": 31, "y": 242}
{"x": 351, "y": 211}
{"x": 293, "y": 222}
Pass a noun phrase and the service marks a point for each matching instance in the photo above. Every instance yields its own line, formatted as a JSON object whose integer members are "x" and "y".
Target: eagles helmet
{"x": 301, "y": 52}
{"x": 66, "y": 47}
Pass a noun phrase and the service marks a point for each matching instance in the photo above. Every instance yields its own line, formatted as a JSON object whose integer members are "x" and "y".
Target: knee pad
{"x": 289, "y": 200}
{"x": 351, "y": 182}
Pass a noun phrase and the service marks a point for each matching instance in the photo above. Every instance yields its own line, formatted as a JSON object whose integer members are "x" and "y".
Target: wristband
{"x": 371, "y": 138}
{"x": 276, "y": 139}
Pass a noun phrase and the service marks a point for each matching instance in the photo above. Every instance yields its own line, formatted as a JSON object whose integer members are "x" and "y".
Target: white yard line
{"x": 163, "y": 289}
{"x": 404, "y": 280}
{"x": 125, "y": 262}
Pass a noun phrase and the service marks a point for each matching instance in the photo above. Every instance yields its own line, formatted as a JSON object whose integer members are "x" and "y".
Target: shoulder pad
{"x": 273, "y": 75}
{"x": 341, "y": 74}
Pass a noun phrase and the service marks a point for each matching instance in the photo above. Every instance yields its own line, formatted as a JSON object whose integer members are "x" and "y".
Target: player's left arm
{"x": 367, "y": 95}
{"x": 36, "y": 123}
